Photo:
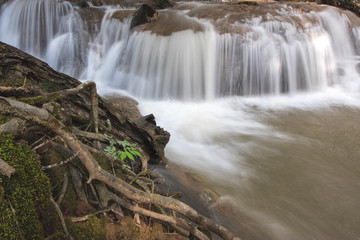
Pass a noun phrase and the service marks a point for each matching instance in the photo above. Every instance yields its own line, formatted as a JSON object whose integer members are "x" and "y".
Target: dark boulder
{"x": 144, "y": 14}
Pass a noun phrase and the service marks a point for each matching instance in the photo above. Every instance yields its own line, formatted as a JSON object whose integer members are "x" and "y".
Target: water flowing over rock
{"x": 195, "y": 51}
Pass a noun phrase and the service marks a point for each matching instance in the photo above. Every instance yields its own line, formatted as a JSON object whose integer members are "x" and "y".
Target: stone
{"x": 144, "y": 14}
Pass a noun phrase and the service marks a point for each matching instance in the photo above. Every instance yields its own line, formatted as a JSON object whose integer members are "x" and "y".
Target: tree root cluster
{"x": 50, "y": 126}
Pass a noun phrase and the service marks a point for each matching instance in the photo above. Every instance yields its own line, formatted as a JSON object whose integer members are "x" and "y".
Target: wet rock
{"x": 171, "y": 22}
{"x": 145, "y": 14}
{"x": 147, "y": 125}
{"x": 121, "y": 15}
{"x": 127, "y": 105}
{"x": 159, "y": 4}
{"x": 158, "y": 136}
{"x": 83, "y": 4}
{"x": 344, "y": 4}
{"x": 92, "y": 17}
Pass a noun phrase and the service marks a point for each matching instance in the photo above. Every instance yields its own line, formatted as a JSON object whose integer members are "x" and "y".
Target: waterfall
{"x": 48, "y": 29}
{"x": 284, "y": 51}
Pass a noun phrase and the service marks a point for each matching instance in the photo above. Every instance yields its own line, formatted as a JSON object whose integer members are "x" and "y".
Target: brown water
{"x": 297, "y": 180}
{"x": 309, "y": 185}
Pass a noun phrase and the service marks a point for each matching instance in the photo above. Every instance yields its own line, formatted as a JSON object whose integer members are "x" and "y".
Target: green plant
{"x": 120, "y": 150}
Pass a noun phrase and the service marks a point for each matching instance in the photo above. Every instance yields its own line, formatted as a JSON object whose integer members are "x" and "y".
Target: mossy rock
{"x": 92, "y": 228}
{"x": 27, "y": 192}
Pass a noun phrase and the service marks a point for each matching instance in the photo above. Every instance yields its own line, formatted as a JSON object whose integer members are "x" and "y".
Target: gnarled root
{"x": 95, "y": 172}
{"x": 58, "y": 210}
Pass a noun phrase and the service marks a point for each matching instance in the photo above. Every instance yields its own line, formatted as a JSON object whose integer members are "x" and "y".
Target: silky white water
{"x": 265, "y": 108}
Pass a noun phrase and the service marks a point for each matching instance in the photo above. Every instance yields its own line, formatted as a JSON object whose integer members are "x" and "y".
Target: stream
{"x": 262, "y": 101}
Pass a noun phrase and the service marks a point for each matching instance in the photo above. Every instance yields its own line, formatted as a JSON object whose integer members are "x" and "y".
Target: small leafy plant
{"x": 120, "y": 150}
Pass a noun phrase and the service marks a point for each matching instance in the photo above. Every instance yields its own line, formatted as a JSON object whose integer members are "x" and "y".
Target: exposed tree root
{"x": 64, "y": 188}
{"x": 58, "y": 210}
{"x": 60, "y": 163}
{"x": 86, "y": 217}
{"x": 11, "y": 91}
{"x": 95, "y": 172}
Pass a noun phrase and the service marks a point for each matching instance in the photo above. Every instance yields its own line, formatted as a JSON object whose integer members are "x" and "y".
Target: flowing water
{"x": 262, "y": 101}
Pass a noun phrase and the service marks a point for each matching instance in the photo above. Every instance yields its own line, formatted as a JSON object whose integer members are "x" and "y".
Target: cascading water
{"x": 262, "y": 101}
{"x": 49, "y": 30}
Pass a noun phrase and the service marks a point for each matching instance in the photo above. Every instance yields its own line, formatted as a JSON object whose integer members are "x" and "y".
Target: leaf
{"x": 136, "y": 153}
{"x": 110, "y": 149}
{"x": 129, "y": 155}
{"x": 124, "y": 143}
{"x": 111, "y": 141}
{"x": 122, "y": 156}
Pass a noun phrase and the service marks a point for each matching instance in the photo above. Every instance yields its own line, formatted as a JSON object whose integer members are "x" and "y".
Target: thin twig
{"x": 16, "y": 221}
{"x": 47, "y": 141}
{"x": 37, "y": 141}
{"x": 137, "y": 176}
{"x": 60, "y": 163}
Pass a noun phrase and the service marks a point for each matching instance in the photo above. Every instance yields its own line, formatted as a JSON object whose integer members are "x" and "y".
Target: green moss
{"x": 55, "y": 174}
{"x": 28, "y": 191}
{"x": 41, "y": 99}
{"x": 103, "y": 162}
{"x": 4, "y": 119}
{"x": 93, "y": 228}
{"x": 49, "y": 86}
{"x": 7, "y": 220}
